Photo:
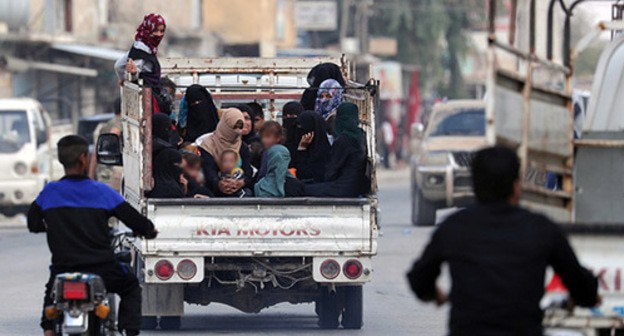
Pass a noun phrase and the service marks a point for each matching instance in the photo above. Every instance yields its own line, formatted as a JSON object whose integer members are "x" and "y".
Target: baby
{"x": 230, "y": 170}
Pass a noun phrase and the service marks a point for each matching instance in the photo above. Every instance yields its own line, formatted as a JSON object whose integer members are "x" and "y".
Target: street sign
{"x": 316, "y": 15}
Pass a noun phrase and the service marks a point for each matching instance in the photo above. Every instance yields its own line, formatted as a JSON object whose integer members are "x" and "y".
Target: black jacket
{"x": 74, "y": 212}
{"x": 344, "y": 173}
{"x": 498, "y": 255}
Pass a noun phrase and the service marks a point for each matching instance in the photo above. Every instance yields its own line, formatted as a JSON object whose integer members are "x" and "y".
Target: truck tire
{"x": 170, "y": 322}
{"x": 423, "y": 211}
{"x": 353, "y": 315}
{"x": 328, "y": 309}
{"x": 149, "y": 323}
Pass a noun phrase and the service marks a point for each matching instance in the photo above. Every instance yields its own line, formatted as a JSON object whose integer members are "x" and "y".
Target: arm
{"x": 35, "y": 220}
{"x": 210, "y": 170}
{"x": 244, "y": 154}
{"x": 134, "y": 220}
{"x": 422, "y": 277}
{"x": 583, "y": 286}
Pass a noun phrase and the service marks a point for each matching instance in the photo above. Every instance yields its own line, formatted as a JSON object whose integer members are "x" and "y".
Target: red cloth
{"x": 146, "y": 29}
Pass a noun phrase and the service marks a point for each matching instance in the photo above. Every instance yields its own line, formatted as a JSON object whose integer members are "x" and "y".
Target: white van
{"x": 27, "y": 158}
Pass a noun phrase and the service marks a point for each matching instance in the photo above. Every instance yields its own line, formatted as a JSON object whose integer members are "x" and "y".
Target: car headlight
{"x": 435, "y": 159}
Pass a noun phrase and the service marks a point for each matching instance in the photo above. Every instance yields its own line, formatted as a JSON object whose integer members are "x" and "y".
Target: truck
{"x": 530, "y": 108}
{"x": 248, "y": 253}
{"x": 441, "y": 156}
{"x": 27, "y": 153}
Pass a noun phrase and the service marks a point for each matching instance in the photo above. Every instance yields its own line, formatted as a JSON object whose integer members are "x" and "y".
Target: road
{"x": 390, "y": 308}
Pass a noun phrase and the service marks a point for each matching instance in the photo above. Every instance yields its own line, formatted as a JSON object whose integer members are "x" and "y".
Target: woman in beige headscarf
{"x": 227, "y": 136}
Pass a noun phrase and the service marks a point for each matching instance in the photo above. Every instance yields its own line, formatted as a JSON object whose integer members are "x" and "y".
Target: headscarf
{"x": 166, "y": 173}
{"x": 272, "y": 184}
{"x": 347, "y": 123}
{"x": 316, "y": 76}
{"x": 257, "y": 110}
{"x": 326, "y": 106}
{"x": 224, "y": 137}
{"x": 290, "y": 124}
{"x": 202, "y": 117}
{"x": 253, "y": 135}
{"x": 307, "y": 122}
{"x": 145, "y": 31}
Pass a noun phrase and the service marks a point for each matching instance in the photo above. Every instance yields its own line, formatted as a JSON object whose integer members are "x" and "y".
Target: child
{"x": 191, "y": 168}
{"x": 271, "y": 134}
{"x": 230, "y": 170}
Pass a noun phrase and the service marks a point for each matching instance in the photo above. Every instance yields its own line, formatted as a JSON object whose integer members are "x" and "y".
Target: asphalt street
{"x": 390, "y": 308}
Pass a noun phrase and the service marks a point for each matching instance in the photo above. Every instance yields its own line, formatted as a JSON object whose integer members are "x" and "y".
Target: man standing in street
{"x": 110, "y": 175}
{"x": 498, "y": 254}
{"x": 74, "y": 214}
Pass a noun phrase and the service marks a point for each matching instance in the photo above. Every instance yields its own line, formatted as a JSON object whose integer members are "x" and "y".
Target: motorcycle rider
{"x": 74, "y": 213}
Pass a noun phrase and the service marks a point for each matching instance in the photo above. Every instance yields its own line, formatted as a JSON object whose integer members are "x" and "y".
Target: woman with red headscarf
{"x": 141, "y": 62}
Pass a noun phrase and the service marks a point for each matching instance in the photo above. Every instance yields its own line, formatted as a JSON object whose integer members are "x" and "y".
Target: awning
{"x": 90, "y": 51}
{"x": 20, "y": 65}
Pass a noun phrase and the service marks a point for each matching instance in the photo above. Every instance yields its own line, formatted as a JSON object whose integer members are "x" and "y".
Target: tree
{"x": 432, "y": 35}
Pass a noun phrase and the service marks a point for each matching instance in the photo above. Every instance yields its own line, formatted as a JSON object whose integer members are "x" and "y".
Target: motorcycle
{"x": 82, "y": 305}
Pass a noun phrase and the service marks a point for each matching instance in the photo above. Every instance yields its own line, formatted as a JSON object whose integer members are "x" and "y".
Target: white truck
{"x": 576, "y": 179}
{"x": 247, "y": 253}
{"x": 27, "y": 153}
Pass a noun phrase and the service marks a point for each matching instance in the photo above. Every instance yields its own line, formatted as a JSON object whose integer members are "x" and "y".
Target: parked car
{"x": 441, "y": 157}
{"x": 27, "y": 153}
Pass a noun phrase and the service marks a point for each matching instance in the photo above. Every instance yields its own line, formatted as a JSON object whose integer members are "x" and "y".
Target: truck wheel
{"x": 149, "y": 323}
{"x": 352, "y": 317}
{"x": 170, "y": 322}
{"x": 423, "y": 211}
{"x": 329, "y": 311}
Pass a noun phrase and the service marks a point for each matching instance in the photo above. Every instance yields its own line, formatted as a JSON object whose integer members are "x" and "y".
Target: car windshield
{"x": 464, "y": 123}
{"x": 14, "y": 131}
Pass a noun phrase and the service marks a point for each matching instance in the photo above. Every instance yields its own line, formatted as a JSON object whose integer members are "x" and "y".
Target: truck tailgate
{"x": 262, "y": 227}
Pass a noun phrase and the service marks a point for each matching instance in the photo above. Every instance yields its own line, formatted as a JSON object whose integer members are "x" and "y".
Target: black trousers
{"x": 117, "y": 279}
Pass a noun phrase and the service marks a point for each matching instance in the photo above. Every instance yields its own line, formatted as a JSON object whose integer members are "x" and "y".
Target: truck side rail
{"x": 261, "y": 201}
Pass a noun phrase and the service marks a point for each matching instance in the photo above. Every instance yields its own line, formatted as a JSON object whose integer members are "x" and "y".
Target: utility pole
{"x": 344, "y": 21}
{"x": 363, "y": 7}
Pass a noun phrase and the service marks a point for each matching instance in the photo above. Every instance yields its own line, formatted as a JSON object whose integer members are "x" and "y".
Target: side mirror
{"x": 108, "y": 150}
{"x": 418, "y": 130}
{"x": 42, "y": 137}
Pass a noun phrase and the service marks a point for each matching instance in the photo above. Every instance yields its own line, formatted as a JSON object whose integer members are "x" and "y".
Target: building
{"x": 62, "y": 52}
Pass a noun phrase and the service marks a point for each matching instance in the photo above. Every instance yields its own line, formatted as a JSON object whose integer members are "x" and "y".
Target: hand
{"x": 306, "y": 140}
{"x": 441, "y": 298}
{"x": 131, "y": 67}
{"x": 184, "y": 183}
{"x": 200, "y": 196}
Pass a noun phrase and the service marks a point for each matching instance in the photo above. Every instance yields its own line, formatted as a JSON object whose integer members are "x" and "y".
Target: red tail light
{"x": 352, "y": 269}
{"x": 164, "y": 269}
{"x": 74, "y": 290}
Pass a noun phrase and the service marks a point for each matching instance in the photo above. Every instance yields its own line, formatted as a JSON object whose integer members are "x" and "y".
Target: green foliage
{"x": 430, "y": 34}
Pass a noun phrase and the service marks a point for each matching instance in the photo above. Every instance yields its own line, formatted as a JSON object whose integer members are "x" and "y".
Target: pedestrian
{"x": 250, "y": 135}
{"x": 498, "y": 254}
{"x": 290, "y": 113}
{"x": 227, "y": 136}
{"x": 257, "y": 114}
{"x": 203, "y": 115}
{"x": 316, "y": 76}
{"x": 312, "y": 153}
{"x": 141, "y": 61}
{"x": 74, "y": 213}
{"x": 345, "y": 173}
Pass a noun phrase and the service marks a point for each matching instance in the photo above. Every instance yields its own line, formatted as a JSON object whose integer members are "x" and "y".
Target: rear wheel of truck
{"x": 149, "y": 323}
{"x": 328, "y": 309}
{"x": 423, "y": 211}
{"x": 353, "y": 315}
{"x": 170, "y": 322}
